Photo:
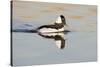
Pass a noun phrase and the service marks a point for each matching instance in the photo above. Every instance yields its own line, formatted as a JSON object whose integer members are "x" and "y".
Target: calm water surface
{"x": 32, "y": 49}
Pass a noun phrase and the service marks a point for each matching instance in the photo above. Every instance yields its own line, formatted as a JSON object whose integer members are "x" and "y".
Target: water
{"x": 32, "y": 49}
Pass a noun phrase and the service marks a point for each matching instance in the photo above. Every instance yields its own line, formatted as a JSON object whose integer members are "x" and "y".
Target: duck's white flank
{"x": 48, "y": 30}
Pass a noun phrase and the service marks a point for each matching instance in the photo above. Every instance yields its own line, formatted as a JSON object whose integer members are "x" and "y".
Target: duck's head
{"x": 61, "y": 20}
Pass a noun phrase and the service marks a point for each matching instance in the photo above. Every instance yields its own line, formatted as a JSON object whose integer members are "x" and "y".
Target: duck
{"x": 53, "y": 31}
{"x": 57, "y": 26}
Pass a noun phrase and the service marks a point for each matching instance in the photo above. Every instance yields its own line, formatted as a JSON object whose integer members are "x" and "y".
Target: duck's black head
{"x": 61, "y": 20}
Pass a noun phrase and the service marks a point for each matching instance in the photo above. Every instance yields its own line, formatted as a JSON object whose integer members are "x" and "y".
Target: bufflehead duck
{"x": 58, "y": 26}
{"x": 57, "y": 37}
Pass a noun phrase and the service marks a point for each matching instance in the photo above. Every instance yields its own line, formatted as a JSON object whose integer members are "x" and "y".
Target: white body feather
{"x": 50, "y": 30}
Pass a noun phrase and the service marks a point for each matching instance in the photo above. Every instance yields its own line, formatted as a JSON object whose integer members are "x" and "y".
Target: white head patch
{"x": 58, "y": 20}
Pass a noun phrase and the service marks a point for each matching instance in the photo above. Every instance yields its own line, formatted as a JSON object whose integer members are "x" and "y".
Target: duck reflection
{"x": 58, "y": 37}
